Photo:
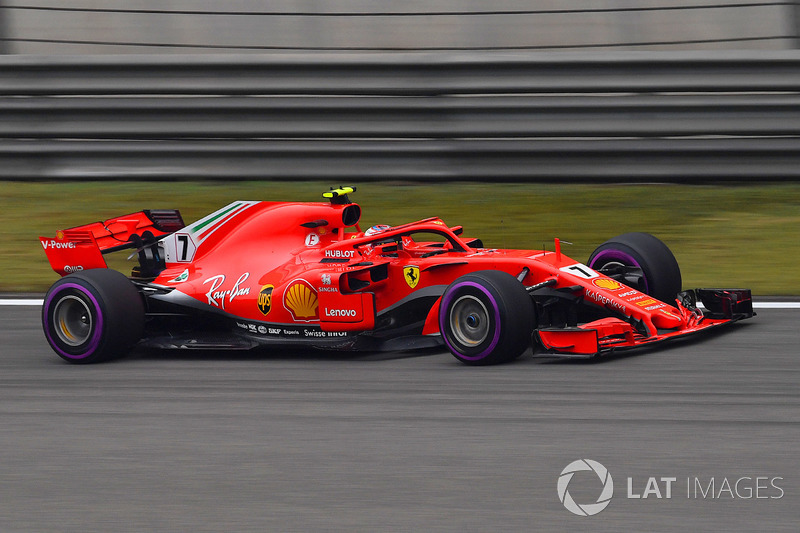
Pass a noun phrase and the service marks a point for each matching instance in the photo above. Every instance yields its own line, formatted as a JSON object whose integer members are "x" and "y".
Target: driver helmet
{"x": 378, "y": 228}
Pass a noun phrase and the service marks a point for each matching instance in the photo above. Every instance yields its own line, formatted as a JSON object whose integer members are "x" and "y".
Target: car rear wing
{"x": 82, "y": 247}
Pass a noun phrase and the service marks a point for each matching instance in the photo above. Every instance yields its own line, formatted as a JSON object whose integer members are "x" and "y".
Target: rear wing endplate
{"x": 82, "y": 247}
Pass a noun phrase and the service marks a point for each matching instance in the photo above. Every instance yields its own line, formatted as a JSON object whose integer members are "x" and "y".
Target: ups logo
{"x": 265, "y": 299}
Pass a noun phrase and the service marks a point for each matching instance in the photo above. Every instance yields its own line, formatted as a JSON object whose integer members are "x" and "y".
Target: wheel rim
{"x": 613, "y": 257}
{"x": 469, "y": 321}
{"x": 72, "y": 320}
{"x": 612, "y": 264}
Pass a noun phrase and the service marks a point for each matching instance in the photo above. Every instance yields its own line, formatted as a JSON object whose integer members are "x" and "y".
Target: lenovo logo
{"x": 340, "y": 312}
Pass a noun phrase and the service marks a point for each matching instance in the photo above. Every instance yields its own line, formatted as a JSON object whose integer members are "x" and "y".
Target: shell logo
{"x": 300, "y": 299}
{"x": 608, "y": 284}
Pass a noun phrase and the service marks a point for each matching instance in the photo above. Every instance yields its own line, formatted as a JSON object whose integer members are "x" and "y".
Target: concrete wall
{"x": 437, "y": 24}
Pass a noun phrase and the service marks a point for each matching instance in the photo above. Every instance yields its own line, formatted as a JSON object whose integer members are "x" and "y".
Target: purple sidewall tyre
{"x": 661, "y": 275}
{"x": 485, "y": 348}
{"x": 87, "y": 348}
{"x": 486, "y": 318}
{"x": 92, "y": 316}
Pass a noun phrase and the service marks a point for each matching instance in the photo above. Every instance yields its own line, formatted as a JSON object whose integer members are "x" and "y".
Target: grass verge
{"x": 722, "y": 236}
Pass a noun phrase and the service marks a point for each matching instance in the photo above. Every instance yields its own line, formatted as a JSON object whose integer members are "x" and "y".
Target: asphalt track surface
{"x": 398, "y": 442}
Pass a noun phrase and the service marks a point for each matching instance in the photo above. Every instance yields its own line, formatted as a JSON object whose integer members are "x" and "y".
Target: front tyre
{"x": 92, "y": 316}
{"x": 660, "y": 274}
{"x": 486, "y": 318}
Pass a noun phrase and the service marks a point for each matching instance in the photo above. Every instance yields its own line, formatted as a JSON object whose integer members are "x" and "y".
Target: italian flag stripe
{"x": 197, "y": 226}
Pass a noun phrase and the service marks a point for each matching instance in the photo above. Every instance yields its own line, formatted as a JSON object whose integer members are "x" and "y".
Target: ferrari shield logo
{"x": 411, "y": 275}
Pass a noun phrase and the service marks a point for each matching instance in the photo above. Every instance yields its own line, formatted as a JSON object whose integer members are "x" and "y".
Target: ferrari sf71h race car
{"x": 287, "y": 273}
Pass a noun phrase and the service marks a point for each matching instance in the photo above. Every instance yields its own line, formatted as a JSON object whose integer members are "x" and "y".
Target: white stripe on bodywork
{"x": 206, "y": 226}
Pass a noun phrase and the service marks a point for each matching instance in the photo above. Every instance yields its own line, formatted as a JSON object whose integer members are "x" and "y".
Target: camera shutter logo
{"x": 587, "y": 509}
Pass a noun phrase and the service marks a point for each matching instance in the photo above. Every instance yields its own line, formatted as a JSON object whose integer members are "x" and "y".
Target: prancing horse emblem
{"x": 411, "y": 275}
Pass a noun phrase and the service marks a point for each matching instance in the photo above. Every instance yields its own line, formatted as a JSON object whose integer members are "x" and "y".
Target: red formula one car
{"x": 282, "y": 273}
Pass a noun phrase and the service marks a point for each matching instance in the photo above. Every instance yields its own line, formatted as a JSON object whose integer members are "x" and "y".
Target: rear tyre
{"x": 486, "y": 318}
{"x": 661, "y": 275}
{"x": 93, "y": 316}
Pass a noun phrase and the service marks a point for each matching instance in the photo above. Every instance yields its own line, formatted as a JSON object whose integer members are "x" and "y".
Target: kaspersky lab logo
{"x": 585, "y": 509}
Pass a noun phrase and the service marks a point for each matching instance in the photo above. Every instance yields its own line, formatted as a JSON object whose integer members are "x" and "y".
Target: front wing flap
{"x": 720, "y": 307}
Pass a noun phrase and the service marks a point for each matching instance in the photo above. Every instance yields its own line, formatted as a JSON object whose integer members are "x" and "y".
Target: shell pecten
{"x": 300, "y": 299}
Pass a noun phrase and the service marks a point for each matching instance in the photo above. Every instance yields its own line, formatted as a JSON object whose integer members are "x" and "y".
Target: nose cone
{"x": 667, "y": 318}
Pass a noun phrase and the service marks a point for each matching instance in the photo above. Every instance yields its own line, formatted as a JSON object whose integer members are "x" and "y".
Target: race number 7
{"x": 580, "y": 270}
{"x": 183, "y": 244}
{"x": 185, "y": 247}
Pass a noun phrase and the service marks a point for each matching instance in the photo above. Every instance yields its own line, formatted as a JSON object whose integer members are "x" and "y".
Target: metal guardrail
{"x": 614, "y": 117}
{"x": 619, "y": 160}
{"x": 421, "y": 74}
{"x": 399, "y": 117}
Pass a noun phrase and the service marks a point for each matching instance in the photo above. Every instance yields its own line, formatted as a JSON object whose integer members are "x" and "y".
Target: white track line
{"x": 12, "y": 302}
{"x": 19, "y": 302}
